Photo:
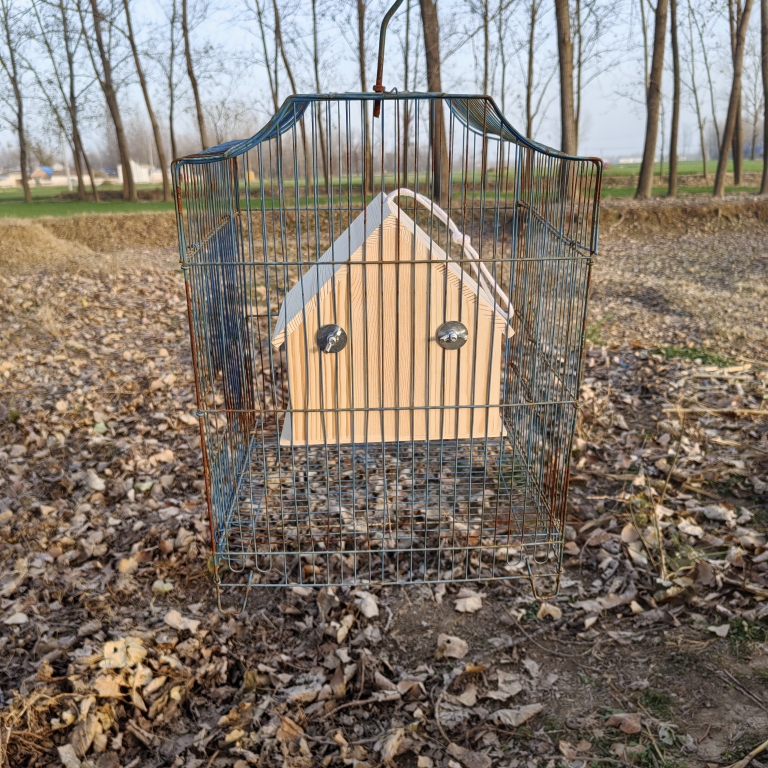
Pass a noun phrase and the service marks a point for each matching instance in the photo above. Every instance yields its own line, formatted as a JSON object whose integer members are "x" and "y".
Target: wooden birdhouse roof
{"x": 358, "y": 243}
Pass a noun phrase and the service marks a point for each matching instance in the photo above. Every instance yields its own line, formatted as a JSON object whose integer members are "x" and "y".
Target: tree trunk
{"x": 191, "y": 73}
{"x": 529, "y": 81}
{"x": 11, "y": 69}
{"x": 565, "y": 54}
{"x": 107, "y": 86}
{"x": 579, "y": 71}
{"x": 734, "y": 17}
{"x": 754, "y": 137}
{"x": 672, "y": 188}
{"x": 151, "y": 112}
{"x": 368, "y": 158}
{"x": 764, "y": 68}
{"x": 645, "y": 182}
{"x": 23, "y": 155}
{"x": 734, "y": 101}
{"x": 87, "y": 162}
{"x": 441, "y": 173}
{"x": 324, "y": 151}
{"x": 171, "y": 84}
{"x": 738, "y": 146}
{"x": 699, "y": 118}
{"x": 288, "y": 71}
{"x": 645, "y": 48}
{"x": 406, "y": 103}
{"x": 709, "y": 78}
{"x": 272, "y": 81}
{"x": 502, "y": 57}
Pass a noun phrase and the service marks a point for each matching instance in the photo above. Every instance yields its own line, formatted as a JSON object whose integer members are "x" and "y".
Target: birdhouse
{"x": 389, "y": 339}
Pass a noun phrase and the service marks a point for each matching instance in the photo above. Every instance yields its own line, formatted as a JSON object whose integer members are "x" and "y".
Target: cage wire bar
{"x": 395, "y": 490}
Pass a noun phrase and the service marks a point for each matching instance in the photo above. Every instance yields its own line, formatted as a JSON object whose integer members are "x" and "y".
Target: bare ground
{"x": 115, "y": 652}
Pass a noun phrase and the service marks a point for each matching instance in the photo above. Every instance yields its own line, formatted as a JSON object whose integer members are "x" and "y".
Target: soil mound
{"x": 108, "y": 232}
{"x": 28, "y": 244}
{"x": 682, "y": 215}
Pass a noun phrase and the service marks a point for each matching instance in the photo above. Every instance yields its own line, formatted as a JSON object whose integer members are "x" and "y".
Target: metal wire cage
{"x": 387, "y": 320}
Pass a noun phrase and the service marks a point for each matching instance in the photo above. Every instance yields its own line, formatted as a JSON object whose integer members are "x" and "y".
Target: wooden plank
{"x": 393, "y": 373}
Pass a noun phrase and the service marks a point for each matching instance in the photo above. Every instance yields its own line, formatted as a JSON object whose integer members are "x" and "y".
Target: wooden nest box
{"x": 375, "y": 349}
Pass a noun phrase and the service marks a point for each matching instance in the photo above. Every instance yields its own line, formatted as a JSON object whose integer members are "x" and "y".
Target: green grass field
{"x": 47, "y": 201}
{"x": 683, "y": 167}
{"x": 662, "y": 191}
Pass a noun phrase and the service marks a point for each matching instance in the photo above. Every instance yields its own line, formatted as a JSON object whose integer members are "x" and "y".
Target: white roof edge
{"x": 312, "y": 281}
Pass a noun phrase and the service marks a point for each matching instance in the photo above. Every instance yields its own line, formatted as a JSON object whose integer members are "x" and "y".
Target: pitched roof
{"x": 318, "y": 279}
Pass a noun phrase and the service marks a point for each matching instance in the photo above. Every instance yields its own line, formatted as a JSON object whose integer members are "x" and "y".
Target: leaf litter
{"x": 118, "y": 655}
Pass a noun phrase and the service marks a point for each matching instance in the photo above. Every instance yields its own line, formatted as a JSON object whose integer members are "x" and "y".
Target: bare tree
{"x": 529, "y": 113}
{"x": 61, "y": 38}
{"x": 147, "y": 100}
{"x": 172, "y": 43}
{"x": 700, "y": 28}
{"x": 764, "y": 68}
{"x": 734, "y": 17}
{"x": 672, "y": 188}
{"x": 653, "y": 102}
{"x": 316, "y": 66}
{"x": 191, "y": 72}
{"x": 103, "y": 70}
{"x": 14, "y": 33}
{"x": 271, "y": 66}
{"x": 280, "y": 45}
{"x": 644, "y": 27}
{"x": 700, "y": 119}
{"x": 368, "y": 169}
{"x": 407, "y": 104}
{"x": 501, "y": 31}
{"x": 735, "y": 99}
{"x": 752, "y": 90}
{"x": 594, "y": 53}
{"x": 535, "y": 80}
{"x": 565, "y": 55}
{"x": 441, "y": 172}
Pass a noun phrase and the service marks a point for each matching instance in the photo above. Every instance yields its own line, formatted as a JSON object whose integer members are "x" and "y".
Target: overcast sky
{"x": 233, "y": 78}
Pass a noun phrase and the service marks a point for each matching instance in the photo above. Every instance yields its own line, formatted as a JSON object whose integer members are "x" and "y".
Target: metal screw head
{"x": 331, "y": 338}
{"x": 452, "y": 335}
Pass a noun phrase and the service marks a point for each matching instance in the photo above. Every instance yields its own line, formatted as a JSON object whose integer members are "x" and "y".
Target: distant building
{"x": 142, "y": 174}
{"x": 10, "y": 179}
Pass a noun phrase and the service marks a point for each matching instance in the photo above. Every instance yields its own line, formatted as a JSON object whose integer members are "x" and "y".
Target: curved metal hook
{"x": 379, "y": 88}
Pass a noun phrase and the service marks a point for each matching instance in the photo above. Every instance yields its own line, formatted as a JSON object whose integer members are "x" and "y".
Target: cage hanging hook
{"x": 379, "y": 88}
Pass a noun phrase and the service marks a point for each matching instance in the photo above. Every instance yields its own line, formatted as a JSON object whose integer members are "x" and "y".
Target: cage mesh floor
{"x": 393, "y": 513}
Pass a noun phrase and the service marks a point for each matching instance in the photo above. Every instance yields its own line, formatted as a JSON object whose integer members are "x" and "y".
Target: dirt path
{"x": 114, "y": 651}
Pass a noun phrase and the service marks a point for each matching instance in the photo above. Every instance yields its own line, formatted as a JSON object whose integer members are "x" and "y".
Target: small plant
{"x": 593, "y": 332}
{"x": 693, "y": 353}
{"x": 744, "y": 634}
{"x": 739, "y": 751}
{"x": 658, "y": 703}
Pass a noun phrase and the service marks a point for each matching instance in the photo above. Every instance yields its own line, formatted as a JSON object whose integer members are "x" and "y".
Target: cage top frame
{"x": 479, "y": 113}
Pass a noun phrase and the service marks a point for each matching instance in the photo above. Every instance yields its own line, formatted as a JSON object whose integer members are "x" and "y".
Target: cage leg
{"x": 227, "y": 611}
{"x": 532, "y": 580}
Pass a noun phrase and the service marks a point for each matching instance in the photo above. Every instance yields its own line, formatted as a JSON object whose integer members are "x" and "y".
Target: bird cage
{"x": 387, "y": 296}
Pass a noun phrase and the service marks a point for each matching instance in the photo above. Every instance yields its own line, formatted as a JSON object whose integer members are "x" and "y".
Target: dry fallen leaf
{"x": 368, "y": 603}
{"x": 508, "y": 685}
{"x": 627, "y": 722}
{"x": 123, "y": 652}
{"x": 551, "y": 610}
{"x": 450, "y": 647}
{"x": 721, "y": 630}
{"x": 391, "y": 746}
{"x": 468, "y": 601}
{"x": 517, "y": 716}
{"x": 177, "y": 621}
